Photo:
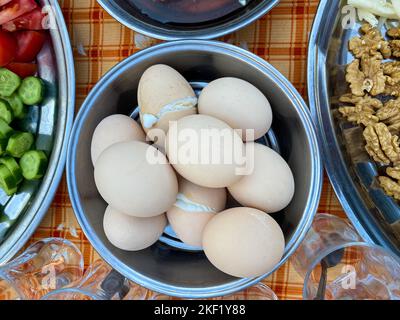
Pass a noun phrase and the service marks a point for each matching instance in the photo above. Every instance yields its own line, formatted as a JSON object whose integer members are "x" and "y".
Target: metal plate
{"x": 124, "y": 12}
{"x": 352, "y": 173}
{"x": 51, "y": 122}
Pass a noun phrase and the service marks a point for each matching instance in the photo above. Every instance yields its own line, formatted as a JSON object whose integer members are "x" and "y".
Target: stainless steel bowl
{"x": 51, "y": 122}
{"x": 352, "y": 173}
{"x": 164, "y": 267}
{"x": 125, "y": 13}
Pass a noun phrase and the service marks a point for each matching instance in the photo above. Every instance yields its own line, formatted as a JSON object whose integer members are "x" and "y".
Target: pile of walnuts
{"x": 374, "y": 101}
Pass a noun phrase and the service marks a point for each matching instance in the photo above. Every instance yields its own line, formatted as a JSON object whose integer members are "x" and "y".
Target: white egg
{"x": 194, "y": 207}
{"x": 132, "y": 233}
{"x": 243, "y": 242}
{"x": 238, "y": 103}
{"x": 164, "y": 95}
{"x": 136, "y": 179}
{"x": 113, "y": 129}
{"x": 205, "y": 151}
{"x": 270, "y": 187}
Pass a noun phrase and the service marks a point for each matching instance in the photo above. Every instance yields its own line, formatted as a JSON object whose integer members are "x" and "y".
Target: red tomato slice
{"x": 15, "y": 9}
{"x": 8, "y": 48}
{"x": 3, "y": 2}
{"x": 29, "y": 44}
{"x": 29, "y": 21}
{"x": 22, "y": 69}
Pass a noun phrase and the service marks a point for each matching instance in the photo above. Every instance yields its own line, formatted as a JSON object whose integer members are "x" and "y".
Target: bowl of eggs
{"x": 194, "y": 168}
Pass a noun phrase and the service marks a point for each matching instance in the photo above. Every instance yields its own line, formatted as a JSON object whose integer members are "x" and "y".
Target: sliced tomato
{"x": 32, "y": 20}
{"x": 3, "y": 2}
{"x": 15, "y": 9}
{"x": 8, "y": 48}
{"x": 23, "y": 69}
{"x": 29, "y": 44}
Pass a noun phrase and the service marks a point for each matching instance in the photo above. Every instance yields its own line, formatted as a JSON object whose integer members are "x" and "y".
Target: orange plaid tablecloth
{"x": 100, "y": 42}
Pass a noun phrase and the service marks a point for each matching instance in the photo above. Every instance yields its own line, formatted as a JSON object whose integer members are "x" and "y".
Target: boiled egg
{"x": 205, "y": 151}
{"x": 136, "y": 179}
{"x": 243, "y": 242}
{"x": 194, "y": 207}
{"x": 132, "y": 233}
{"x": 270, "y": 184}
{"x": 163, "y": 95}
{"x": 238, "y": 103}
{"x": 113, "y": 129}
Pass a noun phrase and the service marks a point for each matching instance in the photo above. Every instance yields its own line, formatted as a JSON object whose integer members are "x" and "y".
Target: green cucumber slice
{"x": 6, "y": 112}
{"x": 3, "y": 145}
{"x": 9, "y": 82}
{"x": 7, "y": 181}
{"x": 14, "y": 168}
{"x": 31, "y": 91}
{"x": 33, "y": 164}
{"x": 19, "y": 143}
{"x": 17, "y": 106}
{"x": 5, "y": 130}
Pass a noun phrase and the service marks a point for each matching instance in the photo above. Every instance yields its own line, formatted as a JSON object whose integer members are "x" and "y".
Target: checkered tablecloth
{"x": 100, "y": 42}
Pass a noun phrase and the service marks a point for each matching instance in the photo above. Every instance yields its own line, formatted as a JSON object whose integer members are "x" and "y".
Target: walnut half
{"x": 381, "y": 145}
{"x": 394, "y": 32}
{"x": 366, "y": 76}
{"x": 371, "y": 43}
{"x": 391, "y": 188}
{"x": 392, "y": 72}
{"x": 395, "y": 47}
{"x": 390, "y": 115}
{"x": 393, "y": 172}
{"x": 361, "y": 110}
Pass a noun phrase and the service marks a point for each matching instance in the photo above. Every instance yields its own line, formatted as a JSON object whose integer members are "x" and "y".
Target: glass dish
{"x": 47, "y": 265}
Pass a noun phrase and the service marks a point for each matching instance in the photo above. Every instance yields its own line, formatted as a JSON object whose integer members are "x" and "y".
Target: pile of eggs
{"x": 144, "y": 196}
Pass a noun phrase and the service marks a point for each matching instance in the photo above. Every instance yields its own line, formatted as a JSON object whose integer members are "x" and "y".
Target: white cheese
{"x": 190, "y": 206}
{"x": 149, "y": 120}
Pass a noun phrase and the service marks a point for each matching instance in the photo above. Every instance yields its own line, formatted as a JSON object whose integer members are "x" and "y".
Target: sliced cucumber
{"x": 5, "y": 130}
{"x": 6, "y": 112}
{"x": 3, "y": 146}
{"x": 9, "y": 82}
{"x": 14, "y": 168}
{"x": 7, "y": 181}
{"x": 31, "y": 91}
{"x": 17, "y": 106}
{"x": 19, "y": 143}
{"x": 33, "y": 164}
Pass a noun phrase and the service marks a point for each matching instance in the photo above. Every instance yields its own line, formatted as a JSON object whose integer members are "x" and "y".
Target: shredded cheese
{"x": 396, "y": 6}
{"x": 376, "y": 11}
{"x": 367, "y": 16}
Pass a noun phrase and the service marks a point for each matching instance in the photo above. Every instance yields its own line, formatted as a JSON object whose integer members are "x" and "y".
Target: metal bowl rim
{"x": 313, "y": 86}
{"x": 312, "y": 201}
{"x": 20, "y": 235}
{"x": 203, "y": 34}
{"x": 334, "y": 166}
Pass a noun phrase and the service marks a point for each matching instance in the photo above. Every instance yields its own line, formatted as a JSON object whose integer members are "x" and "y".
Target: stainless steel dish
{"x": 125, "y": 13}
{"x": 164, "y": 267}
{"x": 52, "y": 122}
{"x": 351, "y": 172}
